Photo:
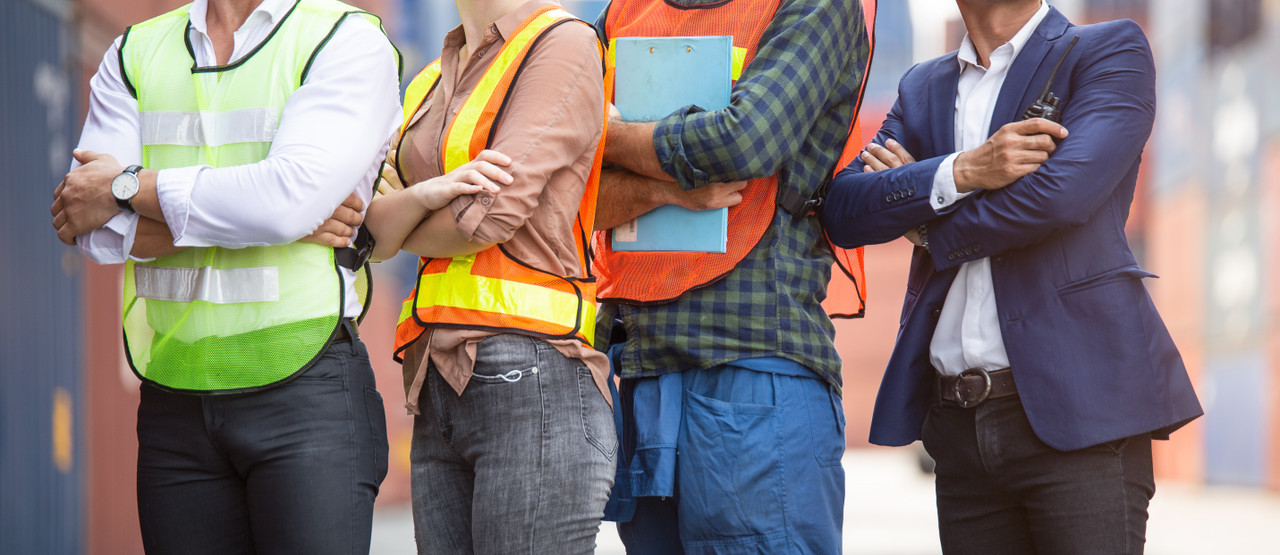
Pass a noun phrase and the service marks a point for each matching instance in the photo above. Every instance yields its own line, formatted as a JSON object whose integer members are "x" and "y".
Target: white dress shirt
{"x": 331, "y": 141}
{"x": 968, "y": 331}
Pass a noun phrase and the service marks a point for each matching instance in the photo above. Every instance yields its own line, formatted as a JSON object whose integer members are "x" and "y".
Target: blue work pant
{"x": 757, "y": 469}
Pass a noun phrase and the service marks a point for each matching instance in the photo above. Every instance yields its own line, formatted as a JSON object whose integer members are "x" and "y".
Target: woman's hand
{"x": 485, "y": 173}
{"x": 389, "y": 179}
{"x": 339, "y": 230}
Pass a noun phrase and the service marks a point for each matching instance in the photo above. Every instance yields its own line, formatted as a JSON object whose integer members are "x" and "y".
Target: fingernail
{"x": 891, "y": 142}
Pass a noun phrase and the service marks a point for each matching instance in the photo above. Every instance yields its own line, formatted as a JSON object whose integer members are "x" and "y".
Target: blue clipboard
{"x": 655, "y": 77}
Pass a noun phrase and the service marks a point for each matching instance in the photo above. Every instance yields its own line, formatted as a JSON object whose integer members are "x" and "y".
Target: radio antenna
{"x": 1049, "y": 83}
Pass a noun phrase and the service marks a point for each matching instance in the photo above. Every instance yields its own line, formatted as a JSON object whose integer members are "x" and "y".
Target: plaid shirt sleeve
{"x": 806, "y": 53}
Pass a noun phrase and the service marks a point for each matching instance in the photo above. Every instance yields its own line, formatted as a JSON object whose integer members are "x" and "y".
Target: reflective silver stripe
{"x": 248, "y": 125}
{"x": 234, "y": 285}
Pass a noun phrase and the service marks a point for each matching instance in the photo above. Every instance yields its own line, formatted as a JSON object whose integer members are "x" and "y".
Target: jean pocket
{"x": 730, "y": 476}
{"x": 377, "y": 415}
{"x": 597, "y": 417}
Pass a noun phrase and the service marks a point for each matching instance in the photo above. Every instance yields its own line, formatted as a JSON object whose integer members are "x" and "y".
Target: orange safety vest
{"x": 659, "y": 277}
{"x": 493, "y": 290}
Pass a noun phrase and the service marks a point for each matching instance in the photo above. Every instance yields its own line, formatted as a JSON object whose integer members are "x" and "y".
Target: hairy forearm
{"x": 625, "y": 195}
{"x": 392, "y": 218}
{"x": 153, "y": 239}
{"x": 438, "y": 237}
{"x": 630, "y": 145}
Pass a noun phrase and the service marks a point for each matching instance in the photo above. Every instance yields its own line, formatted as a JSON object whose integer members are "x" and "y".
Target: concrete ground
{"x": 889, "y": 510}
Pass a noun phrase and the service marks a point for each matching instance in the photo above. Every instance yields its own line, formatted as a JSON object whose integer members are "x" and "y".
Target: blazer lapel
{"x": 1029, "y": 71}
{"x": 942, "y": 104}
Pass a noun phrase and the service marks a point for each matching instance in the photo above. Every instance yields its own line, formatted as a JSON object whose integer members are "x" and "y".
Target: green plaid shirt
{"x": 792, "y": 107}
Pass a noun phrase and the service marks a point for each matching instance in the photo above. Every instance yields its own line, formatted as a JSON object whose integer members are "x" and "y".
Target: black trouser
{"x": 291, "y": 469}
{"x": 1001, "y": 490}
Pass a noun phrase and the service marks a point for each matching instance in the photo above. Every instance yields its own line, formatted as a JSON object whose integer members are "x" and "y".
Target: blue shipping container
{"x": 41, "y": 462}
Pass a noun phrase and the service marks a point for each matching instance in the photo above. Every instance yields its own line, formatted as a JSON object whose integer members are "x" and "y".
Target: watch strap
{"x": 127, "y": 203}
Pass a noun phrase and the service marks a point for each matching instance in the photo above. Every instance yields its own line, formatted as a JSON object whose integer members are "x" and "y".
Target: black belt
{"x": 347, "y": 331}
{"x": 975, "y": 386}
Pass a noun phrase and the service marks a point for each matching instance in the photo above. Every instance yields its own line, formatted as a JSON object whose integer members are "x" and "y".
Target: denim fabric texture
{"x": 1002, "y": 490}
{"x": 521, "y": 462}
{"x": 757, "y": 467}
{"x": 291, "y": 469}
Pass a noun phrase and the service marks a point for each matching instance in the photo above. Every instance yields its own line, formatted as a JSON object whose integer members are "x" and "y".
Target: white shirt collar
{"x": 969, "y": 55}
{"x": 272, "y": 10}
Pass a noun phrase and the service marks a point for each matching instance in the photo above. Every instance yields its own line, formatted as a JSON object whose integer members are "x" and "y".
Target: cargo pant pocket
{"x": 730, "y": 476}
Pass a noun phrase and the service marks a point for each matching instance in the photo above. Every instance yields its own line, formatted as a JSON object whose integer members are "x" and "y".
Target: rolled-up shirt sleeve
{"x": 803, "y": 55}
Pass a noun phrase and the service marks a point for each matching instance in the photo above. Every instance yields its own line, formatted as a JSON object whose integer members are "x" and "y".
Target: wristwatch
{"x": 125, "y": 186}
{"x": 923, "y": 231}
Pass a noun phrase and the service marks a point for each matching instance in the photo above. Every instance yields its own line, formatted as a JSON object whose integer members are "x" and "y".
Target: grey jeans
{"x": 521, "y": 462}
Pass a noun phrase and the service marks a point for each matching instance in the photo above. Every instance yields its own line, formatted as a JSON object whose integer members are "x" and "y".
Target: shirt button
{"x": 940, "y": 200}
{"x": 485, "y": 200}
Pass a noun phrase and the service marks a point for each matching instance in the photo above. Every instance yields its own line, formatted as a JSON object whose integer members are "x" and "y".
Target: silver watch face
{"x": 124, "y": 186}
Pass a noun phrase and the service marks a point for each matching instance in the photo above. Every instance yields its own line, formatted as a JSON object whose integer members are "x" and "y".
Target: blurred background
{"x": 1212, "y": 171}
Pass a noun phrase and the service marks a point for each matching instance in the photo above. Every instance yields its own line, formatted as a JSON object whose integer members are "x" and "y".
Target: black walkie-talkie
{"x": 1047, "y": 106}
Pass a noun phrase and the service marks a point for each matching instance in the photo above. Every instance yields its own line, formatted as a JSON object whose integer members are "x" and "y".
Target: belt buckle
{"x": 982, "y": 396}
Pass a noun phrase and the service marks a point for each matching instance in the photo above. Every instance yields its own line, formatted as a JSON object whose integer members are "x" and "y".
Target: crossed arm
{"x": 695, "y": 158}
{"x": 1113, "y": 83}
{"x": 320, "y": 152}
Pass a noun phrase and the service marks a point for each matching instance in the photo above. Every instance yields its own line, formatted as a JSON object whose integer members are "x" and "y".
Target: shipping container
{"x": 41, "y": 402}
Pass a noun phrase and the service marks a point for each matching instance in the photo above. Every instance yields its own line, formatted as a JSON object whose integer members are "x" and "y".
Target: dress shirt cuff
{"x": 111, "y": 243}
{"x": 130, "y": 233}
{"x": 173, "y": 188}
{"x": 944, "y": 192}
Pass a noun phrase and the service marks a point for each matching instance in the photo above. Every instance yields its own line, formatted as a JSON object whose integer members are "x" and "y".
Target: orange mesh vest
{"x": 492, "y": 290}
{"x": 658, "y": 277}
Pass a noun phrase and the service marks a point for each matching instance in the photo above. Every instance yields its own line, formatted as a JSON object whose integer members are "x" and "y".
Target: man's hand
{"x": 710, "y": 197}
{"x": 1017, "y": 149}
{"x": 83, "y": 201}
{"x": 891, "y": 155}
{"x": 484, "y": 173}
{"x": 338, "y": 230}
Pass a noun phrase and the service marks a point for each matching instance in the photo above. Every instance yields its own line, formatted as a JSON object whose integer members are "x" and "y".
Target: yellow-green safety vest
{"x": 213, "y": 319}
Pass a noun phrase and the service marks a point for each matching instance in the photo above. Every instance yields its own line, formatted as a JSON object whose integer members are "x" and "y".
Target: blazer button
{"x": 937, "y": 312}
{"x": 888, "y": 198}
{"x": 951, "y": 256}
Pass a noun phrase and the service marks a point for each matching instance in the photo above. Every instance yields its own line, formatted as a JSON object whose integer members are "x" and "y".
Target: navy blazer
{"x": 1092, "y": 359}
